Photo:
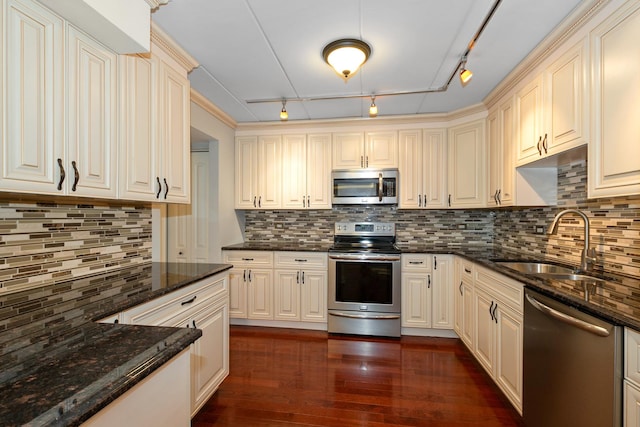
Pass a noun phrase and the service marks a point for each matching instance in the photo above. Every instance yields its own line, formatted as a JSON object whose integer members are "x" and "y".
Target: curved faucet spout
{"x": 588, "y": 255}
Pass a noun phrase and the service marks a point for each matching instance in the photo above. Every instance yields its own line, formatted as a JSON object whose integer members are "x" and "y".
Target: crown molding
{"x": 154, "y": 4}
{"x": 209, "y": 107}
{"x": 167, "y": 44}
{"x": 537, "y": 56}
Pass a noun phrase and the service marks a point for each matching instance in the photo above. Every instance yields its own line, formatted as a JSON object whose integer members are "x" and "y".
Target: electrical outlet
{"x": 538, "y": 229}
{"x": 279, "y": 226}
{"x": 462, "y": 226}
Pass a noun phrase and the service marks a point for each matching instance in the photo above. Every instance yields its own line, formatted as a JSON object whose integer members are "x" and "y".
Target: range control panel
{"x": 365, "y": 229}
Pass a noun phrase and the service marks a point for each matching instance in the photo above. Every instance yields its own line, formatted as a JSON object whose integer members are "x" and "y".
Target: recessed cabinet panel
{"x": 348, "y": 151}
{"x": 467, "y": 165}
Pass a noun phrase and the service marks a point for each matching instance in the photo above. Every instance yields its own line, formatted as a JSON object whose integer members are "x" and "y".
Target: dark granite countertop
{"x": 58, "y": 367}
{"x": 616, "y": 300}
{"x": 292, "y": 246}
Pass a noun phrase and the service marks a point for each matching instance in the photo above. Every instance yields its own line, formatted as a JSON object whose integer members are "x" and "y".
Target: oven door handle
{"x": 365, "y": 316}
{"x": 356, "y": 257}
{"x": 380, "y": 186}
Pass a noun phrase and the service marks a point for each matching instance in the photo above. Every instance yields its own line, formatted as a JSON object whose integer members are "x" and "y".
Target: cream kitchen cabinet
{"x": 466, "y": 165}
{"x": 300, "y": 286}
{"x": 427, "y": 292}
{"x": 498, "y": 331}
{"x": 631, "y": 384}
{"x": 464, "y": 272}
{"x": 202, "y": 305}
{"x": 357, "y": 150}
{"x": 501, "y": 159}
{"x": 614, "y": 150}
{"x": 250, "y": 284}
{"x": 551, "y": 109}
{"x": 35, "y": 156}
{"x": 155, "y": 117}
{"x": 422, "y": 168}
{"x": 258, "y": 172}
{"x": 306, "y": 171}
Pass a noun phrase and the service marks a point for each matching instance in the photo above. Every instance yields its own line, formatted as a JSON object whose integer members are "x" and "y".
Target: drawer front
{"x": 248, "y": 258}
{"x": 632, "y": 355}
{"x": 510, "y": 291}
{"x": 466, "y": 270}
{"x": 301, "y": 260}
{"x": 161, "y": 311}
{"x": 420, "y": 262}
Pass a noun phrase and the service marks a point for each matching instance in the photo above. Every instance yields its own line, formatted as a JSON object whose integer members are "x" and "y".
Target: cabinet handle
{"x": 247, "y": 259}
{"x": 495, "y": 316}
{"x": 538, "y": 146}
{"x": 460, "y": 287}
{"x": 303, "y": 202}
{"x": 298, "y": 278}
{"x": 544, "y": 143}
{"x": 308, "y": 201}
{"x": 419, "y": 200}
{"x": 166, "y": 186}
{"x": 244, "y": 275}
{"x": 424, "y": 200}
{"x": 189, "y": 301}
{"x": 466, "y": 270}
{"x": 116, "y": 321}
{"x": 260, "y": 201}
{"x": 491, "y": 310}
{"x": 303, "y": 277}
{"x": 361, "y": 161}
{"x": 367, "y": 161}
{"x": 62, "y": 174}
{"x": 76, "y": 176}
{"x": 416, "y": 262}
{"x": 249, "y": 275}
{"x": 300, "y": 260}
{"x": 254, "y": 202}
{"x": 499, "y": 194}
{"x": 159, "y": 187}
{"x": 194, "y": 324}
{"x": 449, "y": 200}
{"x": 435, "y": 262}
{"x": 495, "y": 197}
{"x": 428, "y": 281}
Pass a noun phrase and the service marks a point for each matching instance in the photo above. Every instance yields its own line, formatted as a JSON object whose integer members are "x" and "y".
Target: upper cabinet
{"x": 155, "y": 119}
{"x": 378, "y": 150}
{"x": 258, "y": 172}
{"x": 500, "y": 156}
{"x": 422, "y": 167}
{"x": 614, "y": 151}
{"x": 551, "y": 109}
{"x": 466, "y": 160}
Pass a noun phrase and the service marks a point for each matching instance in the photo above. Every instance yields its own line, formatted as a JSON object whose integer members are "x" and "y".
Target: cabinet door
{"x": 238, "y": 293}
{"x": 32, "y": 106}
{"x": 434, "y": 164}
{"x": 246, "y": 172}
{"x": 411, "y": 168}
{"x": 286, "y": 293}
{"x": 313, "y": 296}
{"x": 631, "y": 406}
{"x": 381, "y": 150}
{"x": 509, "y": 341}
{"x": 348, "y": 151}
{"x": 494, "y": 157}
{"x": 319, "y": 171}
{"x": 416, "y": 300}
{"x": 442, "y": 289}
{"x": 269, "y": 172}
{"x": 484, "y": 343}
{"x": 506, "y": 191}
{"x": 614, "y": 150}
{"x": 294, "y": 171}
{"x": 210, "y": 353}
{"x": 260, "y": 294}
{"x": 467, "y": 165}
{"x": 175, "y": 134}
{"x": 468, "y": 314}
{"x": 529, "y": 121}
{"x": 91, "y": 132}
{"x": 139, "y": 152}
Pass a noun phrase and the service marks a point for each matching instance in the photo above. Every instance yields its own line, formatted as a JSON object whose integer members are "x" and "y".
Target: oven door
{"x": 364, "y": 283}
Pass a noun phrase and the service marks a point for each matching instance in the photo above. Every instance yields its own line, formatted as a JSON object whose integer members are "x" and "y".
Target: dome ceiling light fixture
{"x": 346, "y": 56}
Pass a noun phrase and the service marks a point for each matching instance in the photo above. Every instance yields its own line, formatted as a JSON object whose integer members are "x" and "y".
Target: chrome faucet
{"x": 588, "y": 256}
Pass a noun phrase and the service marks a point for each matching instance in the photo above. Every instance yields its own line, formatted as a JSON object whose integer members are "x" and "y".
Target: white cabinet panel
{"x": 466, "y": 158}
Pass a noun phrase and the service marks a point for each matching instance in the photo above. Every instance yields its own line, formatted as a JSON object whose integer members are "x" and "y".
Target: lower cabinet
{"x": 167, "y": 389}
{"x": 489, "y": 320}
{"x": 203, "y": 305}
{"x": 631, "y": 389}
{"x": 427, "y": 292}
{"x": 250, "y": 284}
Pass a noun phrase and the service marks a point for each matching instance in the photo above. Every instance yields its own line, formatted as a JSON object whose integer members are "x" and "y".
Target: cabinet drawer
{"x": 508, "y": 290}
{"x": 420, "y": 262}
{"x": 304, "y": 260}
{"x": 632, "y": 356}
{"x": 161, "y": 310}
{"x": 466, "y": 270}
{"x": 248, "y": 258}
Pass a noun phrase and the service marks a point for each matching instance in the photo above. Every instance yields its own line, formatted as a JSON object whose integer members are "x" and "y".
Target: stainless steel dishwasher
{"x": 572, "y": 366}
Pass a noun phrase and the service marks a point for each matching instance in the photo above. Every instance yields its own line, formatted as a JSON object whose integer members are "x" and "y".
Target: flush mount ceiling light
{"x": 346, "y": 56}
{"x": 283, "y": 113}
{"x": 373, "y": 108}
{"x": 465, "y": 73}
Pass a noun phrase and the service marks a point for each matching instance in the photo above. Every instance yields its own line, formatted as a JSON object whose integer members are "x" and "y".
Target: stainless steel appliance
{"x": 364, "y": 280}
{"x": 572, "y": 366}
{"x": 365, "y": 187}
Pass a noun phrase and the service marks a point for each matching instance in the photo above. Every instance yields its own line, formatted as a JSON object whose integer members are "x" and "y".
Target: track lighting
{"x": 373, "y": 108}
{"x": 283, "y": 113}
{"x": 465, "y": 74}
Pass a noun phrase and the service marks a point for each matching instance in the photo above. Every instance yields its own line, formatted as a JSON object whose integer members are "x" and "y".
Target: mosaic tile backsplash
{"x": 615, "y": 225}
{"x": 46, "y": 243}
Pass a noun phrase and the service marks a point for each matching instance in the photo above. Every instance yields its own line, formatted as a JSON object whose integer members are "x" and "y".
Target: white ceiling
{"x": 272, "y": 49}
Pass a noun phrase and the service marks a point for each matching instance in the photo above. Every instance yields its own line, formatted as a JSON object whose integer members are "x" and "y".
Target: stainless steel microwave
{"x": 365, "y": 187}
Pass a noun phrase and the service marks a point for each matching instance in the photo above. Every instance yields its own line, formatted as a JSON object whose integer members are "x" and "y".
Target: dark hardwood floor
{"x": 286, "y": 377}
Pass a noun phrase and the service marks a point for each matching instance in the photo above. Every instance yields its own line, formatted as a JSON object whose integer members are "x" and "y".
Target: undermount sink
{"x": 548, "y": 270}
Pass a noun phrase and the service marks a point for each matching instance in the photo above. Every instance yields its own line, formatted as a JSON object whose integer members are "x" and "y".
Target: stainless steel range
{"x": 364, "y": 280}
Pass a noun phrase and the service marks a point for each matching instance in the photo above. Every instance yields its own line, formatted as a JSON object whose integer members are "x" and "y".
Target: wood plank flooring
{"x": 287, "y": 377}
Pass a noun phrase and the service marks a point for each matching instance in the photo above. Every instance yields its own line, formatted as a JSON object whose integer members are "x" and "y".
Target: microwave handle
{"x": 380, "y": 186}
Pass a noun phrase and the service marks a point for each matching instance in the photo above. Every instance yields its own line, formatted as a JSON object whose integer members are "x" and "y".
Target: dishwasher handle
{"x": 570, "y": 320}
